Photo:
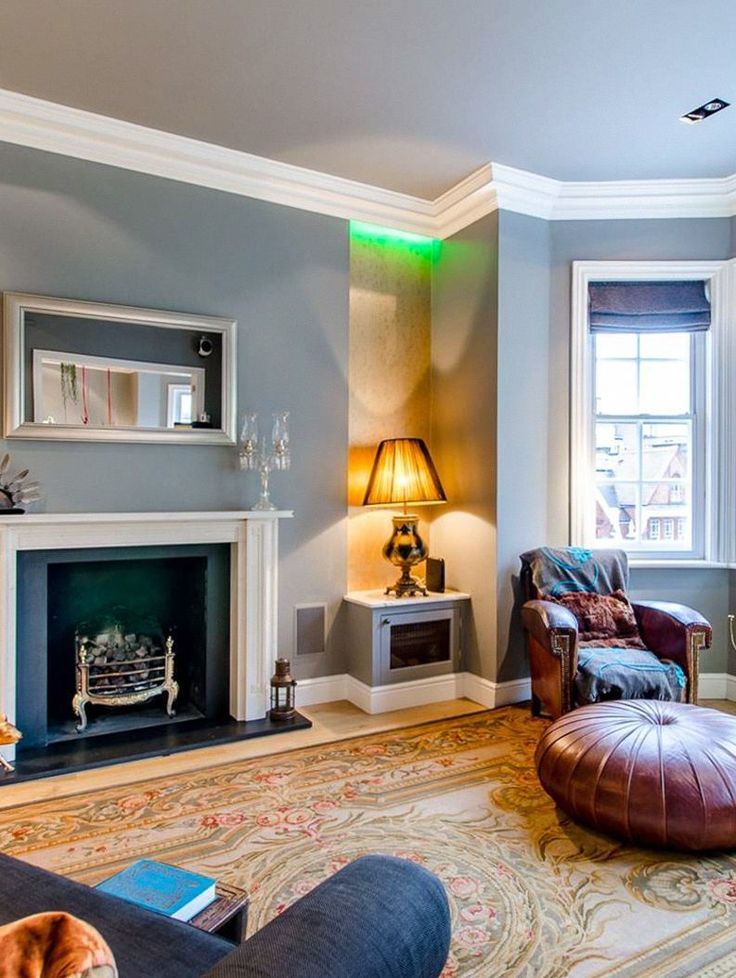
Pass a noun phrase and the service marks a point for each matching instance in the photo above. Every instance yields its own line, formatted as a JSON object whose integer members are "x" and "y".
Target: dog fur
{"x": 9, "y": 734}
{"x": 54, "y": 945}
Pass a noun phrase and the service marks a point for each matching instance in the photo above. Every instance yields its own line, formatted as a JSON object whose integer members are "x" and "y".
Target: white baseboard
{"x": 418, "y": 692}
{"x": 714, "y": 686}
{"x": 478, "y": 690}
{"x": 399, "y": 696}
{"x": 492, "y": 694}
{"x": 321, "y": 689}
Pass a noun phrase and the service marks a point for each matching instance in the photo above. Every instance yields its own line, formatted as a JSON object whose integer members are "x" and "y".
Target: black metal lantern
{"x": 282, "y": 692}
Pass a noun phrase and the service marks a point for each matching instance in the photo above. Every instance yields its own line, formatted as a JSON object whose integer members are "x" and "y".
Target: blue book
{"x": 166, "y": 889}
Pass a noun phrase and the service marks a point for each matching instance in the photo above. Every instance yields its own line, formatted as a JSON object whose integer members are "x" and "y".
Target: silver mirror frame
{"x": 15, "y": 306}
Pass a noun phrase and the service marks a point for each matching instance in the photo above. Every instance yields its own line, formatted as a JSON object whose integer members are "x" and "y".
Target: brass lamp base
{"x": 406, "y": 586}
{"x": 405, "y": 549}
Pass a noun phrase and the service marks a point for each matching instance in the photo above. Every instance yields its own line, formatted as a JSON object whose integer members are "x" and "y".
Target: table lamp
{"x": 403, "y": 472}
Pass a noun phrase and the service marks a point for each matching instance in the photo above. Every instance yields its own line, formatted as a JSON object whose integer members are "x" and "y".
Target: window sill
{"x": 679, "y": 564}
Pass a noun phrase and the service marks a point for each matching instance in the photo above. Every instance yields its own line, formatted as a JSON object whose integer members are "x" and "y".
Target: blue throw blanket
{"x": 624, "y": 674}
{"x": 556, "y": 571}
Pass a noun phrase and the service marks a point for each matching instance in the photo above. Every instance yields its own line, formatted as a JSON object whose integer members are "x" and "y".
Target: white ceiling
{"x": 409, "y": 95}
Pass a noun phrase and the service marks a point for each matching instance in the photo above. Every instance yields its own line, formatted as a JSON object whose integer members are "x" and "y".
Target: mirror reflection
{"x": 102, "y": 372}
{"x": 86, "y": 390}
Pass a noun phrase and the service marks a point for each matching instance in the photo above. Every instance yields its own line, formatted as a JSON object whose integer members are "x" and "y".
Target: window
{"x": 648, "y": 458}
{"x": 179, "y": 405}
{"x": 648, "y": 461}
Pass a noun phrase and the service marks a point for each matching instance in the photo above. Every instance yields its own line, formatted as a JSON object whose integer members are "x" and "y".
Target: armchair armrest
{"x": 552, "y": 632}
{"x": 377, "y": 916}
{"x": 546, "y": 620}
{"x": 674, "y": 631}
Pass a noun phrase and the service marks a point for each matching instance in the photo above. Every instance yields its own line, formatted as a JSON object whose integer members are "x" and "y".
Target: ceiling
{"x": 411, "y": 95}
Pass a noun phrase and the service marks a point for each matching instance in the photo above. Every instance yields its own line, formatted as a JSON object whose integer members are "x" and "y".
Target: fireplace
{"x": 118, "y": 668}
{"x": 129, "y": 583}
{"x": 87, "y": 617}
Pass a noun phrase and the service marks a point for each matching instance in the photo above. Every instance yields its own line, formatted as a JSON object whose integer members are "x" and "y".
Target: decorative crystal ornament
{"x": 256, "y": 454}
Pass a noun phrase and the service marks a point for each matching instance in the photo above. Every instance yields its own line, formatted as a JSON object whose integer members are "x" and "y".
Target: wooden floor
{"x": 332, "y": 722}
{"x": 725, "y": 706}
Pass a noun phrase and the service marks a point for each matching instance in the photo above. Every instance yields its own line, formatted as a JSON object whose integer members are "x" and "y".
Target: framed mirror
{"x": 92, "y": 371}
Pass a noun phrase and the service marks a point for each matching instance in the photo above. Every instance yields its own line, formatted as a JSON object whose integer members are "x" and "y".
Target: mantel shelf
{"x": 46, "y": 519}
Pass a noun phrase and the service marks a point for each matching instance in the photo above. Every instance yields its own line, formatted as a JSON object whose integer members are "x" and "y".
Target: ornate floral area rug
{"x": 532, "y": 894}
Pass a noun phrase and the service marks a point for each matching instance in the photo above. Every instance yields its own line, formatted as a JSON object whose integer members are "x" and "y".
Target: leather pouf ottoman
{"x": 653, "y": 773}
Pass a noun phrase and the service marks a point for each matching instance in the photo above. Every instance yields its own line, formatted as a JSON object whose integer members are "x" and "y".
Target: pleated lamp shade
{"x": 403, "y": 472}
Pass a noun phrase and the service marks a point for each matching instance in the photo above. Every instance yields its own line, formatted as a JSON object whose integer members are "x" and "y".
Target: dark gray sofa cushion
{"x": 145, "y": 945}
{"x": 379, "y": 917}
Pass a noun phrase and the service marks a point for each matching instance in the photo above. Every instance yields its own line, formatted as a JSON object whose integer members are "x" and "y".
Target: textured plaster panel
{"x": 389, "y": 380}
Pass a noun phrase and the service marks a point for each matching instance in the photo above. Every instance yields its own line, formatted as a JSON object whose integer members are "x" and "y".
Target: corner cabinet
{"x": 396, "y": 640}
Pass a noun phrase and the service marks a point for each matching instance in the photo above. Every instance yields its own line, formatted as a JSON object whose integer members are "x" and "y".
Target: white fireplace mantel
{"x": 253, "y": 539}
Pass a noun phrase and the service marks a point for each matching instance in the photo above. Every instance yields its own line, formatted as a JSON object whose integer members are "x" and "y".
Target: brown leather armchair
{"x": 671, "y": 631}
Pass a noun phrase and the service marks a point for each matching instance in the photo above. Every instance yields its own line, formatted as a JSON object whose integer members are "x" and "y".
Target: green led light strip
{"x": 372, "y": 232}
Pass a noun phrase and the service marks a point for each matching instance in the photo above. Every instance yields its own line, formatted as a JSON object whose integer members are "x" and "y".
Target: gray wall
{"x": 731, "y": 610}
{"x": 706, "y": 590}
{"x": 523, "y": 382}
{"x": 501, "y": 352}
{"x": 464, "y": 423}
{"x": 80, "y": 230}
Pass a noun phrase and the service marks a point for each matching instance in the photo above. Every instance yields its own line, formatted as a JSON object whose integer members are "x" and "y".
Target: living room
{"x": 340, "y": 239}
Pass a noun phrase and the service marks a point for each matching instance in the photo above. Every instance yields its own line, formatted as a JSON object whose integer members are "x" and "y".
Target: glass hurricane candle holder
{"x": 280, "y": 441}
{"x": 256, "y": 454}
{"x": 248, "y": 452}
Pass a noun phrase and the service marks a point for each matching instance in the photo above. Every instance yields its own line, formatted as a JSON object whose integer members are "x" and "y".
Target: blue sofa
{"x": 379, "y": 917}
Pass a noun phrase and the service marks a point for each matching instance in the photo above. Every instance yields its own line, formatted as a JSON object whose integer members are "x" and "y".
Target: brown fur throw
{"x": 604, "y": 619}
{"x": 54, "y": 945}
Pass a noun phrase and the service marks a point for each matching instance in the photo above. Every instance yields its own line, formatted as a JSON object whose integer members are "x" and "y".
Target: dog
{"x": 8, "y": 735}
{"x": 54, "y": 945}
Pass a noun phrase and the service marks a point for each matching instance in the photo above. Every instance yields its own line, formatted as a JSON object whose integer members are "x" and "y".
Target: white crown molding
{"x": 29, "y": 121}
{"x": 496, "y": 186}
{"x": 465, "y": 203}
{"x": 525, "y": 192}
{"x": 638, "y": 199}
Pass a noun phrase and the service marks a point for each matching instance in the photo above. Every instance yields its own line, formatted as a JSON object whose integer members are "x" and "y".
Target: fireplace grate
{"x": 123, "y": 673}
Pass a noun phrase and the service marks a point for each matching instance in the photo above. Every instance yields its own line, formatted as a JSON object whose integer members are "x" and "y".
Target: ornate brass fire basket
{"x": 121, "y": 671}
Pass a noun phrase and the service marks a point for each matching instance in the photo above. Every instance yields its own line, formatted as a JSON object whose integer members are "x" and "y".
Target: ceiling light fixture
{"x": 704, "y": 110}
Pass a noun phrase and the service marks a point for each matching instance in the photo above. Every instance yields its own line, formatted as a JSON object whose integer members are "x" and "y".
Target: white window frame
{"x": 718, "y": 498}
{"x": 174, "y": 393}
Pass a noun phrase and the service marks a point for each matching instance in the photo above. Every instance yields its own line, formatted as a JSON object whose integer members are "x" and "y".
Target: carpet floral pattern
{"x": 531, "y": 893}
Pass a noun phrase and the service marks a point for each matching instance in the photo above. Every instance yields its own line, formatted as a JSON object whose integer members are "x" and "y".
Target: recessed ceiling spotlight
{"x": 703, "y": 111}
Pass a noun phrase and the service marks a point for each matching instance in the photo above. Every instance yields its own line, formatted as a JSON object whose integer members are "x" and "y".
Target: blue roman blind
{"x": 648, "y": 307}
